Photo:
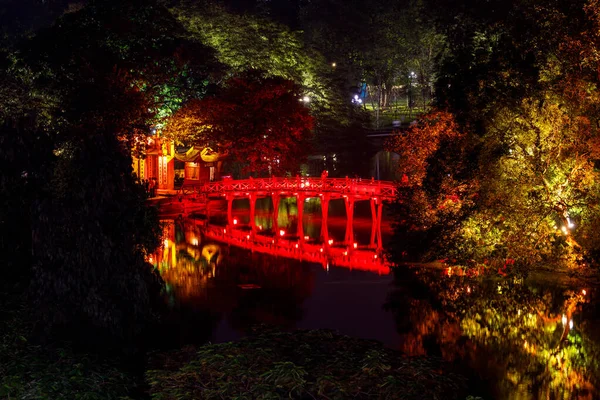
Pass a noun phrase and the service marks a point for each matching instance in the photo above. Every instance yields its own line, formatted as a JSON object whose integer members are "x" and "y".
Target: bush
{"x": 302, "y": 364}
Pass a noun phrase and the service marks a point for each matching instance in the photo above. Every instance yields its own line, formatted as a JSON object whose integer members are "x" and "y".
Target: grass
{"x": 395, "y": 112}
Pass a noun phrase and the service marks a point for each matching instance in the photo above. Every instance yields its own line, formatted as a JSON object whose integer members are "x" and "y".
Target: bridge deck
{"x": 359, "y": 189}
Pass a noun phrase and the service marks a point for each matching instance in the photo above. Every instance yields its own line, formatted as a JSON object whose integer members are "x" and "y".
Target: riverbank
{"x": 566, "y": 277}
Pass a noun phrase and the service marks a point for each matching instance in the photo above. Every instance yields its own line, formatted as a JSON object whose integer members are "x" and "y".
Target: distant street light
{"x": 306, "y": 99}
{"x": 411, "y": 76}
{"x": 333, "y": 65}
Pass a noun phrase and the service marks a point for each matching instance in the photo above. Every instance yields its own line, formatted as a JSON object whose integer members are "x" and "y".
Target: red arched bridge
{"x": 326, "y": 189}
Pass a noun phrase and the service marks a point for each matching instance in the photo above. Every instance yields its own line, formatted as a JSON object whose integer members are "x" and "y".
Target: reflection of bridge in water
{"x": 351, "y": 257}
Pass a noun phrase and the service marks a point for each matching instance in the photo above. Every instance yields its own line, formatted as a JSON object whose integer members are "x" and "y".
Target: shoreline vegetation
{"x": 302, "y": 365}
{"x": 267, "y": 365}
{"x": 560, "y": 276}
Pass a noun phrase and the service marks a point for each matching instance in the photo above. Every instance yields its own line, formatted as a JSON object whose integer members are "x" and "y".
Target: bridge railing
{"x": 355, "y": 186}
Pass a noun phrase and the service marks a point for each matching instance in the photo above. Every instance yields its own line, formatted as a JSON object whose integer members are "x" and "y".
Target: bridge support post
{"x": 349, "y": 220}
{"x": 275, "y": 200}
{"x": 324, "y": 214}
{"x": 300, "y": 206}
{"x": 376, "y": 209}
{"x": 252, "y": 199}
{"x": 229, "y": 199}
{"x": 207, "y": 211}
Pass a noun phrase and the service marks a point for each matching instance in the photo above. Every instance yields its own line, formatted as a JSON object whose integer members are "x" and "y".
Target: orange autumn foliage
{"x": 421, "y": 142}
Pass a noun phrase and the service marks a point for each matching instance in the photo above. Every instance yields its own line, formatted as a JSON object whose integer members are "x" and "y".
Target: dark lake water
{"x": 514, "y": 339}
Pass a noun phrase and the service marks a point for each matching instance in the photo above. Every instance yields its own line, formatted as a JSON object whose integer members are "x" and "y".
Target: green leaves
{"x": 303, "y": 364}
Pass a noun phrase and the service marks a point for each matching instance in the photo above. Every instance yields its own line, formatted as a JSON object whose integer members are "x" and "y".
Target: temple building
{"x": 161, "y": 158}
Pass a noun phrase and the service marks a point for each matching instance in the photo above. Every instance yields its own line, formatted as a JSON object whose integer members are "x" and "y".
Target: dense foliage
{"x": 519, "y": 179}
{"x": 259, "y": 122}
{"x": 75, "y": 226}
{"x": 301, "y": 365}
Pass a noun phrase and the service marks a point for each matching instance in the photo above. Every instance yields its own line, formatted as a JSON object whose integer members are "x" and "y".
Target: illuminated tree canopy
{"x": 249, "y": 42}
{"x": 261, "y": 123}
{"x": 525, "y": 164}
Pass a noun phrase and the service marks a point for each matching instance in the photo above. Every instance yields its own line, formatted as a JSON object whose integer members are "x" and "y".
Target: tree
{"x": 92, "y": 84}
{"x": 531, "y": 140}
{"x": 260, "y": 122}
{"x": 254, "y": 43}
{"x": 438, "y": 189}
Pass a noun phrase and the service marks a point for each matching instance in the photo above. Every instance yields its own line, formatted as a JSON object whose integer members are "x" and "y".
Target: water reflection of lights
{"x": 184, "y": 263}
{"x": 521, "y": 337}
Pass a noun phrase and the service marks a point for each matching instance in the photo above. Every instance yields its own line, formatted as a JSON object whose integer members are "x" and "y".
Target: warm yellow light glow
{"x": 209, "y": 155}
{"x": 584, "y": 292}
{"x": 333, "y": 65}
{"x": 330, "y": 241}
{"x": 281, "y": 232}
{"x": 355, "y": 245}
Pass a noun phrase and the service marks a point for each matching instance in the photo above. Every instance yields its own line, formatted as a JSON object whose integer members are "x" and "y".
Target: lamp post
{"x": 411, "y": 76}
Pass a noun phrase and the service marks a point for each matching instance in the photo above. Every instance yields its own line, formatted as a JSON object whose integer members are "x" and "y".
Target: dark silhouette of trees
{"x": 77, "y": 96}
